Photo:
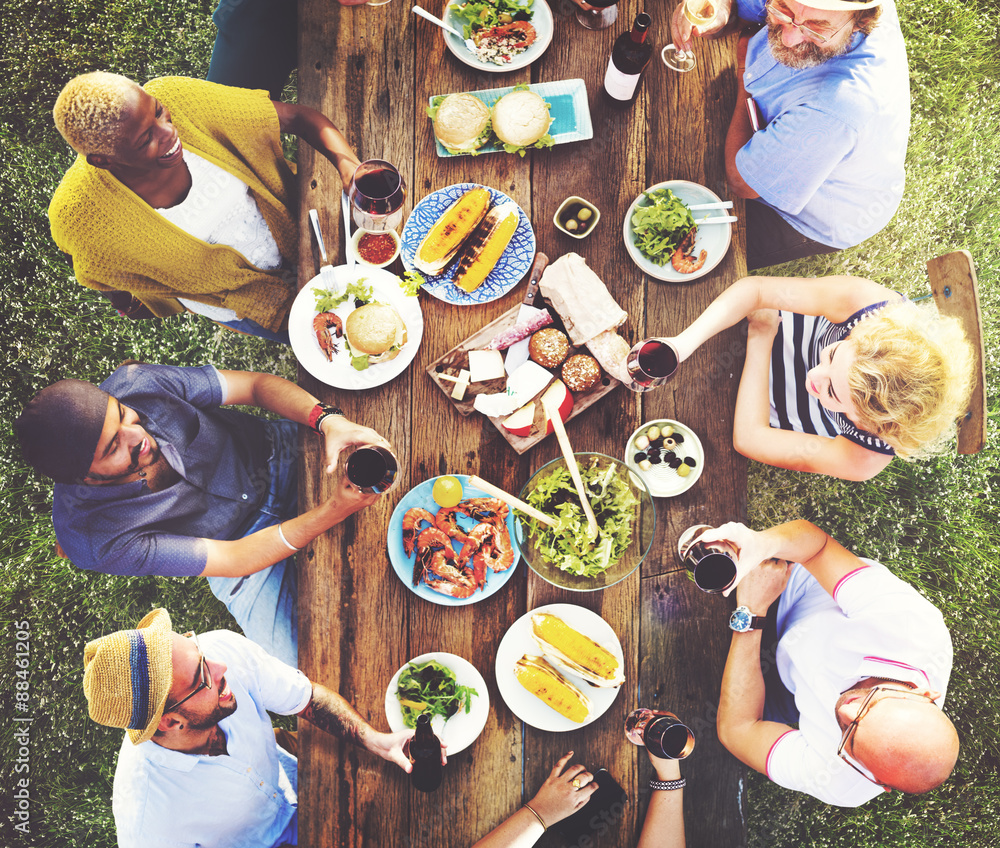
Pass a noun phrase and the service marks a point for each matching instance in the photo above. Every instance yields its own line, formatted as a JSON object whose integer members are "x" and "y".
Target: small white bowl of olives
{"x": 576, "y": 217}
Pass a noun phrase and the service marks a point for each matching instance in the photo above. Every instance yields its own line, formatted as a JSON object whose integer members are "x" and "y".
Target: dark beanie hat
{"x": 60, "y": 428}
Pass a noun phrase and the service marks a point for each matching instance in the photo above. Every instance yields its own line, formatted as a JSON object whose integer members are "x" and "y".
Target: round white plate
{"x": 541, "y": 20}
{"x": 714, "y": 238}
{"x": 421, "y": 495}
{"x": 339, "y": 373}
{"x": 662, "y": 480}
{"x": 514, "y": 263}
{"x": 463, "y": 728}
{"x": 518, "y": 641}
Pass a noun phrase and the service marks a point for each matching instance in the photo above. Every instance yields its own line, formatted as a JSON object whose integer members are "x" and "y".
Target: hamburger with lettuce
{"x": 375, "y": 333}
{"x": 461, "y": 122}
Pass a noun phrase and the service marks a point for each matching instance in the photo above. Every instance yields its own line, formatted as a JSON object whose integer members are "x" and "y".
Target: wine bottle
{"x": 629, "y": 57}
{"x": 424, "y": 751}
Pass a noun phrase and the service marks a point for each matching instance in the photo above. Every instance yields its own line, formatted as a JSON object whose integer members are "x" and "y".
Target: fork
{"x": 423, "y": 13}
{"x": 326, "y": 271}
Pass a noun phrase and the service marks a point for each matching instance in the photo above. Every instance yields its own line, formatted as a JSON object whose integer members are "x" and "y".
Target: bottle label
{"x": 620, "y": 86}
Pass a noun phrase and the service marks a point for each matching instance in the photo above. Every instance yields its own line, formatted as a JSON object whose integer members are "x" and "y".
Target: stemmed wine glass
{"x": 700, "y": 13}
{"x": 651, "y": 363}
{"x": 377, "y": 193}
{"x": 602, "y": 17}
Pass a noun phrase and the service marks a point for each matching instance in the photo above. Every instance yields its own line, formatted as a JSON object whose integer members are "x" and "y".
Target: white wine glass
{"x": 699, "y": 13}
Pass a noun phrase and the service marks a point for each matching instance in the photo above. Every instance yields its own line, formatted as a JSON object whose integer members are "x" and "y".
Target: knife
{"x": 517, "y": 353}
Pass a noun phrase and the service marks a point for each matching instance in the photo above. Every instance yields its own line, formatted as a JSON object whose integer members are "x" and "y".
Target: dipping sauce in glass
{"x": 376, "y": 248}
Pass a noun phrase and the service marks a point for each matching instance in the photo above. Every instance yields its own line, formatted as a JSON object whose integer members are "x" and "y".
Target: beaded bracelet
{"x": 540, "y": 820}
{"x": 289, "y": 545}
{"x": 667, "y": 784}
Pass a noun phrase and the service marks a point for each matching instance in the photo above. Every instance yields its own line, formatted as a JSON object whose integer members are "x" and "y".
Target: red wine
{"x": 425, "y": 753}
{"x": 372, "y": 468}
{"x": 665, "y": 735}
{"x": 714, "y": 570}
{"x": 657, "y": 359}
{"x": 629, "y": 57}
{"x": 379, "y": 183}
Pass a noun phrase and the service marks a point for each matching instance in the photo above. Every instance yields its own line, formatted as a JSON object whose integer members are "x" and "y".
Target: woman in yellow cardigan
{"x": 182, "y": 197}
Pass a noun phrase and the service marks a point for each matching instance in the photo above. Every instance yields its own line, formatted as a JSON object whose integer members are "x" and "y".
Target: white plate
{"x": 662, "y": 480}
{"x": 421, "y": 495}
{"x": 339, "y": 373}
{"x": 513, "y": 264}
{"x": 541, "y": 20}
{"x": 463, "y": 728}
{"x": 714, "y": 238}
{"x": 518, "y": 641}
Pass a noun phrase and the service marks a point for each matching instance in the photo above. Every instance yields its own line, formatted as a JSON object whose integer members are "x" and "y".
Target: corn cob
{"x": 449, "y": 232}
{"x": 485, "y": 246}
{"x": 572, "y": 651}
{"x": 544, "y": 682}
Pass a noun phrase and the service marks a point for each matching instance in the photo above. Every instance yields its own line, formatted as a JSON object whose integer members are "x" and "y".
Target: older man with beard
{"x": 818, "y": 139}
{"x": 199, "y": 764}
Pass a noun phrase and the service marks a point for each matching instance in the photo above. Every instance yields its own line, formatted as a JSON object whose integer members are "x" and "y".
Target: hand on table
{"x": 340, "y": 432}
{"x": 558, "y": 797}
{"x": 682, "y": 31}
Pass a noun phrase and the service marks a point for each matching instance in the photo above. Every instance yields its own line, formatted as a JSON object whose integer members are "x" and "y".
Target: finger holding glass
{"x": 693, "y": 17}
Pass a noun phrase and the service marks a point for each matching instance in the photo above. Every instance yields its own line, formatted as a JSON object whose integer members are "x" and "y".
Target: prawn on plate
{"x": 683, "y": 259}
{"x": 321, "y": 327}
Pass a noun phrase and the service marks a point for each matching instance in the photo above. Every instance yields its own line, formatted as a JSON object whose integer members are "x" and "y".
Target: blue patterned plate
{"x": 509, "y": 271}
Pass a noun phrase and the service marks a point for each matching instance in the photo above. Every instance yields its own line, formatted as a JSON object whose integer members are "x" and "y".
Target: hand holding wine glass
{"x": 377, "y": 194}
{"x": 683, "y": 30}
{"x": 700, "y": 16}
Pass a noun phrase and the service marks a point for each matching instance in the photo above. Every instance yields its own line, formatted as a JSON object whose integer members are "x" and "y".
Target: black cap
{"x": 60, "y": 428}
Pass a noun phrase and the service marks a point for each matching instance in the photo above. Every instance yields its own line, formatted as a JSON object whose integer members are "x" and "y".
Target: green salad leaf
{"x": 485, "y": 14}
{"x": 431, "y": 687}
{"x": 327, "y": 301}
{"x": 566, "y": 545}
{"x": 544, "y": 142}
{"x": 411, "y": 282}
{"x": 661, "y": 225}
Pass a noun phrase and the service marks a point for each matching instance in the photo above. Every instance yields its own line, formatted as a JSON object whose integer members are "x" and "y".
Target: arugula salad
{"x": 661, "y": 226}
{"x": 431, "y": 688}
{"x": 566, "y": 545}
{"x": 477, "y": 15}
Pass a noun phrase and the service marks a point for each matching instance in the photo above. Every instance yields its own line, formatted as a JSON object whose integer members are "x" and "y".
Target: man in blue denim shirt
{"x": 828, "y": 87}
{"x": 153, "y": 477}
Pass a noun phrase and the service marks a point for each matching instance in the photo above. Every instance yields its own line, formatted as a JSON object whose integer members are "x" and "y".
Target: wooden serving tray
{"x": 458, "y": 358}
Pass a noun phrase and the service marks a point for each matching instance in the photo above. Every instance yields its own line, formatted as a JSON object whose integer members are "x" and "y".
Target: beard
{"x": 213, "y": 717}
{"x": 804, "y": 55}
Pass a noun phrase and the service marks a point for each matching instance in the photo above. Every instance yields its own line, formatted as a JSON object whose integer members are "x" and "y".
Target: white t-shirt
{"x": 874, "y": 625}
{"x": 219, "y": 209}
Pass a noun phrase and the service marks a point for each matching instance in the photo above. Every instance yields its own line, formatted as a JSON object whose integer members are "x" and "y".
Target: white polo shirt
{"x": 244, "y": 799}
{"x": 874, "y": 625}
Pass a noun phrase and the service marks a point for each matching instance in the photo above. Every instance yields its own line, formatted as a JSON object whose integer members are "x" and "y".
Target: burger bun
{"x": 521, "y": 118}
{"x": 377, "y": 330}
{"x": 462, "y": 122}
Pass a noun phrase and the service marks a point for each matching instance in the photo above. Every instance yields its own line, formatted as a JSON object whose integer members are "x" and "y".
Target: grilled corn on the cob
{"x": 449, "y": 232}
{"x": 544, "y": 682}
{"x": 486, "y": 245}
{"x": 572, "y": 651}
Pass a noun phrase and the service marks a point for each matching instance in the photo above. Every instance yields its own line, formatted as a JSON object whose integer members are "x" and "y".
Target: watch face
{"x": 740, "y": 620}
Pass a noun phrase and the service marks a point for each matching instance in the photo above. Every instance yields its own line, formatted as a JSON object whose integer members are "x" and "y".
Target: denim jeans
{"x": 771, "y": 240}
{"x": 257, "y": 44}
{"x": 264, "y": 604}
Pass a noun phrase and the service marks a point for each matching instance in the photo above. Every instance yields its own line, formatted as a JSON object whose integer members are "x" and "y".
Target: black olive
{"x": 670, "y": 456}
{"x": 654, "y": 458}
{"x": 639, "y": 457}
{"x": 690, "y": 460}
{"x": 674, "y": 463}
{"x": 678, "y": 438}
{"x": 656, "y": 443}
{"x": 522, "y": 16}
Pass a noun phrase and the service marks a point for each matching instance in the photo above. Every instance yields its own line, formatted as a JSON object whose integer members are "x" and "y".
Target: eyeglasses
{"x": 821, "y": 35}
{"x": 866, "y": 705}
{"x": 206, "y": 677}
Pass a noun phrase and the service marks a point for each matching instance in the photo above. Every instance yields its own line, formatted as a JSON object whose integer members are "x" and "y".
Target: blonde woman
{"x": 847, "y": 375}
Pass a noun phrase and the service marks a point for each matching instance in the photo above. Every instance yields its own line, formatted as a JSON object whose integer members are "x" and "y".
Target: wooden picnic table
{"x": 372, "y": 69}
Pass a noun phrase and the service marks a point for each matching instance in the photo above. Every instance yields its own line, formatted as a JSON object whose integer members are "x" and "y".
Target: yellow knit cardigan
{"x": 118, "y": 242}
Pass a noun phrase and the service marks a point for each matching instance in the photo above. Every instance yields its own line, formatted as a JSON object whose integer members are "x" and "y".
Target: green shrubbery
{"x": 935, "y": 522}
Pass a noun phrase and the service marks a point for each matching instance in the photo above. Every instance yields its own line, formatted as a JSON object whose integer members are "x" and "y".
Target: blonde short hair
{"x": 911, "y": 378}
{"x": 89, "y": 111}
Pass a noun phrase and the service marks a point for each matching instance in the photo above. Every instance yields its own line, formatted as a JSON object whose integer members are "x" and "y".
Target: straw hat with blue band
{"x": 127, "y": 676}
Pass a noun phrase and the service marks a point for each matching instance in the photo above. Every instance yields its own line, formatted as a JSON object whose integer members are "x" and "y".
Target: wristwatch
{"x": 321, "y": 411}
{"x": 743, "y": 621}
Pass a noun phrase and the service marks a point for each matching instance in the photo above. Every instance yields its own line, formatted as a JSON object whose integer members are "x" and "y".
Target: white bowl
{"x": 362, "y": 261}
{"x": 662, "y": 480}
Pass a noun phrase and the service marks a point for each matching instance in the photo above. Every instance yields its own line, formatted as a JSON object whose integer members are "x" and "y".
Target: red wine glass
{"x": 377, "y": 194}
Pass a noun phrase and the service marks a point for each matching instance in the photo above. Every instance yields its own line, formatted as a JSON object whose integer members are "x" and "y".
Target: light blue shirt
{"x": 830, "y": 158}
{"x": 243, "y": 799}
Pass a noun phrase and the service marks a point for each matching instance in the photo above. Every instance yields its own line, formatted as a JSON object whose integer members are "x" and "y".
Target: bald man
{"x": 862, "y": 662}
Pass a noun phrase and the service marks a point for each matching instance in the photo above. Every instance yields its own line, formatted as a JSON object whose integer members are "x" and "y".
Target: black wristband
{"x": 667, "y": 784}
{"x": 324, "y": 411}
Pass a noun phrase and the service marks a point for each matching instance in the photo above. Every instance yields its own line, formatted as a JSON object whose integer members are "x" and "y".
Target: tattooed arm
{"x": 329, "y": 712}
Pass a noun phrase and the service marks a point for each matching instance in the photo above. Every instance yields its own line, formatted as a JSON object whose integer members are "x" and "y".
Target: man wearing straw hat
{"x": 818, "y": 138}
{"x": 154, "y": 477}
{"x": 862, "y": 662}
{"x": 199, "y": 764}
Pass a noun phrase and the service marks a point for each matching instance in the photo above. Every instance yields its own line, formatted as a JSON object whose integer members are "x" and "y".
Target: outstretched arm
{"x": 330, "y": 712}
{"x": 319, "y": 132}
{"x": 663, "y": 826}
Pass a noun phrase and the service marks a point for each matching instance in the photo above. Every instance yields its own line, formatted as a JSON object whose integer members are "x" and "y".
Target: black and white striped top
{"x": 797, "y": 346}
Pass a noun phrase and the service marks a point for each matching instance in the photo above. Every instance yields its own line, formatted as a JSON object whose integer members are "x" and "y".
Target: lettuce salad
{"x": 431, "y": 688}
{"x": 661, "y": 226}
{"x": 567, "y": 546}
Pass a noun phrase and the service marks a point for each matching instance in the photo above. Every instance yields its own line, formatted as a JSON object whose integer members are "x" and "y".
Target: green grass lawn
{"x": 935, "y": 523}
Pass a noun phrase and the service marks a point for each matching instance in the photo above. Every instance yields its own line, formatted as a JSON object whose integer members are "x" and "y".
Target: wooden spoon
{"x": 552, "y": 413}
{"x": 515, "y": 502}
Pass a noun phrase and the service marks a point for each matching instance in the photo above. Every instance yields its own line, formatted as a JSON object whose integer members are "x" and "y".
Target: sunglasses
{"x": 206, "y": 677}
{"x": 821, "y": 35}
{"x": 851, "y": 729}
